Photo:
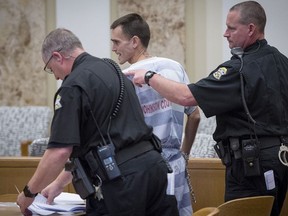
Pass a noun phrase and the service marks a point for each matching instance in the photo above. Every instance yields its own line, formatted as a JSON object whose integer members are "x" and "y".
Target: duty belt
{"x": 133, "y": 151}
{"x": 265, "y": 141}
{"x": 233, "y": 146}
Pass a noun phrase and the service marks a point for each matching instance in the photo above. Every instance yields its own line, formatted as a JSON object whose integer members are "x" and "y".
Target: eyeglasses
{"x": 48, "y": 70}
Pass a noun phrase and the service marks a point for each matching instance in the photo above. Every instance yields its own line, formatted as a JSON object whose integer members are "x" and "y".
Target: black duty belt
{"x": 233, "y": 146}
{"x": 270, "y": 141}
{"x": 132, "y": 151}
{"x": 267, "y": 141}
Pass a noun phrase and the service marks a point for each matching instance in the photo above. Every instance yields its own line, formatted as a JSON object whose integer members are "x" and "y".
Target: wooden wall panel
{"x": 207, "y": 178}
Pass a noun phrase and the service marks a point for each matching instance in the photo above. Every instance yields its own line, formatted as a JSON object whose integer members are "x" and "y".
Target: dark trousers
{"x": 140, "y": 192}
{"x": 239, "y": 186}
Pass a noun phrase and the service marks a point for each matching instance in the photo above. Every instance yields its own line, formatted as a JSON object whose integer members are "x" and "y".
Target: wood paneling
{"x": 207, "y": 177}
{"x": 208, "y": 181}
{"x": 16, "y": 171}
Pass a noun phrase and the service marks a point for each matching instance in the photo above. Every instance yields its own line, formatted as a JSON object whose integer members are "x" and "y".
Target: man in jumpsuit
{"x": 249, "y": 97}
{"x": 84, "y": 121}
{"x": 130, "y": 35}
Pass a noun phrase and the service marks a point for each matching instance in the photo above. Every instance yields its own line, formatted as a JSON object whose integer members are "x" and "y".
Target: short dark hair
{"x": 251, "y": 12}
{"x": 134, "y": 25}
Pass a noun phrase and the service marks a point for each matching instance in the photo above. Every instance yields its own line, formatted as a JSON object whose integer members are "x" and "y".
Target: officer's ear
{"x": 251, "y": 29}
{"x": 57, "y": 56}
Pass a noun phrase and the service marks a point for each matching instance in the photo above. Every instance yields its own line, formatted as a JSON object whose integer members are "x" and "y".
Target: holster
{"x": 223, "y": 152}
{"x": 81, "y": 181}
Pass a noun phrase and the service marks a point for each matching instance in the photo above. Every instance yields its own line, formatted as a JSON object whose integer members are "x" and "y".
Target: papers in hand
{"x": 65, "y": 203}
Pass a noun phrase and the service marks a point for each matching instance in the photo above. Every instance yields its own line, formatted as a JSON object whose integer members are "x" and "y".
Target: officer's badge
{"x": 221, "y": 71}
{"x": 57, "y": 102}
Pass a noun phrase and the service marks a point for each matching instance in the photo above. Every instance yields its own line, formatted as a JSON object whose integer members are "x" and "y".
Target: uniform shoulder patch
{"x": 57, "y": 102}
{"x": 220, "y": 72}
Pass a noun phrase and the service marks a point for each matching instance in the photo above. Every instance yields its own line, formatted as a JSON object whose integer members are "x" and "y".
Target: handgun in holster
{"x": 82, "y": 183}
{"x": 223, "y": 152}
{"x": 250, "y": 156}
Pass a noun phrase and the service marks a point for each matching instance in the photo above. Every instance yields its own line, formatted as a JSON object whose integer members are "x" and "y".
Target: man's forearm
{"x": 64, "y": 178}
{"x": 190, "y": 131}
{"x": 50, "y": 166}
{"x": 174, "y": 91}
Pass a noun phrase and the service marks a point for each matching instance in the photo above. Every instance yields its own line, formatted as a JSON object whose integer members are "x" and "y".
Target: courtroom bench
{"x": 16, "y": 171}
{"x": 207, "y": 178}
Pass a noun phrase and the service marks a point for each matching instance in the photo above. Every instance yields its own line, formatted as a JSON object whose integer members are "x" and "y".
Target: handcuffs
{"x": 283, "y": 154}
{"x": 186, "y": 157}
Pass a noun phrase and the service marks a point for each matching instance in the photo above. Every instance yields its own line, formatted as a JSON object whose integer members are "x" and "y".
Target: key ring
{"x": 282, "y": 154}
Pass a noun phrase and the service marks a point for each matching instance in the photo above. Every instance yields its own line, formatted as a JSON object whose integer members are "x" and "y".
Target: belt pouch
{"x": 250, "y": 156}
{"x": 235, "y": 147}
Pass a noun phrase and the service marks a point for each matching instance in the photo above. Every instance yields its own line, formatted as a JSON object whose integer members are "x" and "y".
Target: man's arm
{"x": 57, "y": 186}
{"x": 174, "y": 91}
{"x": 50, "y": 166}
{"x": 190, "y": 131}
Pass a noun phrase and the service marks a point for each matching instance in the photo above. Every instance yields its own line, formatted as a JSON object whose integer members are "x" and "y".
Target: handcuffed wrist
{"x": 185, "y": 155}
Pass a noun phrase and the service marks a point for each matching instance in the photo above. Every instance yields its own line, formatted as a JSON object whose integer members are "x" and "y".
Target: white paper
{"x": 40, "y": 199}
{"x": 70, "y": 198}
{"x": 171, "y": 183}
{"x": 65, "y": 203}
{"x": 269, "y": 180}
{"x": 39, "y": 211}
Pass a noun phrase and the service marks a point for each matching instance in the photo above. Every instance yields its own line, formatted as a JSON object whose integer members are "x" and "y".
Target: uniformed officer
{"x": 97, "y": 114}
{"x": 249, "y": 97}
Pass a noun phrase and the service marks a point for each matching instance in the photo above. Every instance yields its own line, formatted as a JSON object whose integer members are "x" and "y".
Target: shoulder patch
{"x": 221, "y": 71}
{"x": 57, "y": 102}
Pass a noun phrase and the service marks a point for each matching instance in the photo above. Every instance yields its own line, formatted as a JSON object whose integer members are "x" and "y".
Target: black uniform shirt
{"x": 265, "y": 72}
{"x": 94, "y": 85}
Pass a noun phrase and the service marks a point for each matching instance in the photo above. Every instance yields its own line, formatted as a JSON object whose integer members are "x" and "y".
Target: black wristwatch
{"x": 28, "y": 193}
{"x": 148, "y": 76}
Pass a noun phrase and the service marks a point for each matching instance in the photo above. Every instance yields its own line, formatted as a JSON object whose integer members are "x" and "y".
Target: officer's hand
{"x": 138, "y": 76}
{"x": 51, "y": 191}
{"x": 24, "y": 202}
